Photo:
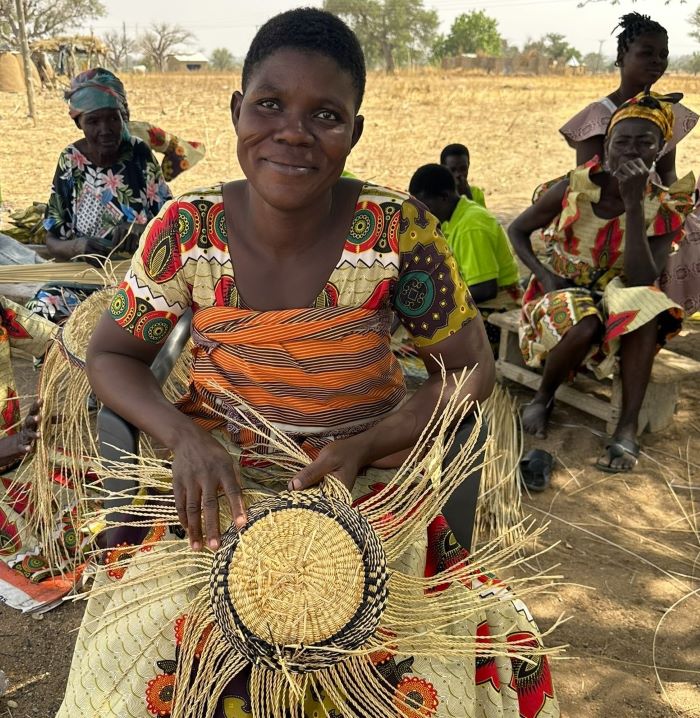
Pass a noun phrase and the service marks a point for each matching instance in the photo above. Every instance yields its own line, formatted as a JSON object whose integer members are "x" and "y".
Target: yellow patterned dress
{"x": 589, "y": 251}
{"x": 394, "y": 259}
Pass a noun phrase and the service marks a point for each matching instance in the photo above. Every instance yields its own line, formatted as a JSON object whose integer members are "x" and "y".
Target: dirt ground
{"x": 628, "y": 547}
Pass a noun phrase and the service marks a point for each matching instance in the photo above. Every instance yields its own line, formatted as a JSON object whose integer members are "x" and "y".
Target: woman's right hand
{"x": 552, "y": 282}
{"x": 201, "y": 468}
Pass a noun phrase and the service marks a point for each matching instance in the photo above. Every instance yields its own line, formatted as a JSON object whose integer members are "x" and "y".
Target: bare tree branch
{"x": 160, "y": 40}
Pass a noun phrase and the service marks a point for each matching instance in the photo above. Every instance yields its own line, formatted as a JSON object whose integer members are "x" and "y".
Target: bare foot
{"x": 16, "y": 446}
{"x": 535, "y": 416}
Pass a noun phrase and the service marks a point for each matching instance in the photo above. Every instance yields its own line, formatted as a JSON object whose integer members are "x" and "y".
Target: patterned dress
{"x": 90, "y": 201}
{"x": 589, "y": 251}
{"x": 292, "y": 365}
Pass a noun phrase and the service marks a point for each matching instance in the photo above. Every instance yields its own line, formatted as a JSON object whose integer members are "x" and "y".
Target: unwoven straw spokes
{"x": 251, "y": 619}
{"x": 304, "y": 582}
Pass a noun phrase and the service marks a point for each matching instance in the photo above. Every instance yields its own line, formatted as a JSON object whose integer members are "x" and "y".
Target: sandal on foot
{"x": 536, "y": 470}
{"x": 616, "y": 449}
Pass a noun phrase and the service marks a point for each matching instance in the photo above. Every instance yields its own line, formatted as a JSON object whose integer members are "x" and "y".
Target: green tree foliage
{"x": 392, "y": 32}
{"x": 222, "y": 59}
{"x": 45, "y": 18}
{"x": 554, "y": 46}
{"x": 473, "y": 31}
{"x": 694, "y": 21}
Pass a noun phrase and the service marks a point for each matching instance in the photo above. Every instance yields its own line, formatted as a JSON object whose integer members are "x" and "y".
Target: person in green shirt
{"x": 477, "y": 241}
{"x": 456, "y": 158}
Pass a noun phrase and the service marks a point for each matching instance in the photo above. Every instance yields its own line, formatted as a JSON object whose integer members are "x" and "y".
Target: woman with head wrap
{"x": 107, "y": 185}
{"x": 595, "y": 296}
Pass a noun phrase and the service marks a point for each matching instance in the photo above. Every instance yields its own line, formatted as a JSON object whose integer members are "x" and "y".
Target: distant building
{"x": 187, "y": 62}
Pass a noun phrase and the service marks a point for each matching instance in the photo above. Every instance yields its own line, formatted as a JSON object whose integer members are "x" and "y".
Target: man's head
{"x": 456, "y": 158}
{"x": 434, "y": 185}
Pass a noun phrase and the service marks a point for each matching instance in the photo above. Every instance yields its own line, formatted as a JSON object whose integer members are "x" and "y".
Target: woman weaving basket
{"x": 292, "y": 275}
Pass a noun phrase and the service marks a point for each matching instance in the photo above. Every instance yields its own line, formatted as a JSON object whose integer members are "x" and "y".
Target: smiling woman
{"x": 293, "y": 276}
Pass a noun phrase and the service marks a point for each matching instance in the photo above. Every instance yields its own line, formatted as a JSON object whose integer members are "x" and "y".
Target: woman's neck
{"x": 96, "y": 156}
{"x": 626, "y": 90}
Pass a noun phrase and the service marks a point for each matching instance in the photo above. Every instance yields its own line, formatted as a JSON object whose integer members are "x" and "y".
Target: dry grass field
{"x": 628, "y": 546}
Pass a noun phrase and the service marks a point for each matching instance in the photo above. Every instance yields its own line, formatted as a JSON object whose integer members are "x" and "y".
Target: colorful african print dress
{"x": 318, "y": 373}
{"x": 589, "y": 251}
{"x": 680, "y": 279}
{"x": 90, "y": 201}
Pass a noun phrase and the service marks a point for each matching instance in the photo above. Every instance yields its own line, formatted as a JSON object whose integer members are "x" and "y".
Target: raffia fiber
{"x": 416, "y": 620}
{"x": 67, "y": 430}
{"x": 499, "y": 512}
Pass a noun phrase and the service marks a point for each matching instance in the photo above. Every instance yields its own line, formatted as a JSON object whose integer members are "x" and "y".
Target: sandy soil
{"x": 627, "y": 546}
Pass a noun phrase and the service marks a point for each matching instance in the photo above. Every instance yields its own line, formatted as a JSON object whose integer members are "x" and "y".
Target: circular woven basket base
{"x": 302, "y": 582}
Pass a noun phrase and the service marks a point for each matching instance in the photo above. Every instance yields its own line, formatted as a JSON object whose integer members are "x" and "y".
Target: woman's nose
{"x": 293, "y": 129}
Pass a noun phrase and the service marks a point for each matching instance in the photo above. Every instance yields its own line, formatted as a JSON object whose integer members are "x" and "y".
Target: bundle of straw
{"x": 80, "y": 272}
{"x": 499, "y": 511}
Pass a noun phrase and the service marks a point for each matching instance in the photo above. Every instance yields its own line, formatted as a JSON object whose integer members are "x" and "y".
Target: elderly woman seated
{"x": 107, "y": 185}
{"x": 596, "y": 295}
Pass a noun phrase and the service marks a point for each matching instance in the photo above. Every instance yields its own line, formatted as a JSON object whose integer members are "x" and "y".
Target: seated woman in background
{"x": 642, "y": 56}
{"x": 596, "y": 293}
{"x": 293, "y": 274}
{"x": 106, "y": 188}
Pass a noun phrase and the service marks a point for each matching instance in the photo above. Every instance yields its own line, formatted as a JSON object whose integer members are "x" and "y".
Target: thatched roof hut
{"x": 12, "y": 72}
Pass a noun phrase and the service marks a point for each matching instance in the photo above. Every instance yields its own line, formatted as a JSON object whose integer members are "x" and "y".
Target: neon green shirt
{"x": 477, "y": 195}
{"x": 480, "y": 245}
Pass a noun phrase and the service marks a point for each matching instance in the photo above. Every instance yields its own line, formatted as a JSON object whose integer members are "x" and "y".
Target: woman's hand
{"x": 632, "y": 178}
{"x": 201, "y": 468}
{"x": 342, "y": 458}
{"x": 126, "y": 235}
{"x": 552, "y": 282}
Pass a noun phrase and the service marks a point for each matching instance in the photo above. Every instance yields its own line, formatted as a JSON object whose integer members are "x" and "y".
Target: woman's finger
{"x": 180, "y": 503}
{"x": 193, "y": 507}
{"x": 232, "y": 489}
{"x": 310, "y": 475}
{"x": 210, "y": 509}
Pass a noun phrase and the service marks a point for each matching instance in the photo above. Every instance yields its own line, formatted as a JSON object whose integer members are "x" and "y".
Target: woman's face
{"x": 102, "y": 130}
{"x": 296, "y": 125}
{"x": 646, "y": 60}
{"x": 633, "y": 138}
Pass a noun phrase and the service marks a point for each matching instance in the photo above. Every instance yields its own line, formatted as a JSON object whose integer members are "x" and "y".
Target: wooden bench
{"x": 602, "y": 399}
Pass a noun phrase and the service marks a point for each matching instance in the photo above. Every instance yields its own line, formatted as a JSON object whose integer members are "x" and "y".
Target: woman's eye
{"x": 269, "y": 104}
{"x": 327, "y": 115}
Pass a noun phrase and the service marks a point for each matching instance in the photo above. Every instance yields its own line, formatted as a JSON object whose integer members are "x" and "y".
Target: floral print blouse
{"x": 90, "y": 201}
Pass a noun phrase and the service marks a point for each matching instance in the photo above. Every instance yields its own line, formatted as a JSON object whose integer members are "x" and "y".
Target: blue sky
{"x": 232, "y": 23}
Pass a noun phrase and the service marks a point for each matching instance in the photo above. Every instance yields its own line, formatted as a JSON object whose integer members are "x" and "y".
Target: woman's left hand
{"x": 632, "y": 178}
{"x": 342, "y": 459}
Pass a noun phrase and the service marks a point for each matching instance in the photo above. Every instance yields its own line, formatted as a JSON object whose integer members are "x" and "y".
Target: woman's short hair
{"x": 634, "y": 25}
{"x": 432, "y": 181}
{"x": 309, "y": 30}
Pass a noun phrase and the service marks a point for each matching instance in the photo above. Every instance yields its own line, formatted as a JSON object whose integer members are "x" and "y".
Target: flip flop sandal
{"x": 536, "y": 470}
{"x": 616, "y": 449}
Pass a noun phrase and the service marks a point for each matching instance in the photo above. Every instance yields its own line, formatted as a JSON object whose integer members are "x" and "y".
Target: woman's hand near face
{"x": 201, "y": 469}
{"x": 632, "y": 177}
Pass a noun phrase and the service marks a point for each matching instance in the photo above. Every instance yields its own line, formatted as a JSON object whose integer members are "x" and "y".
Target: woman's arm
{"x": 467, "y": 348}
{"x": 644, "y": 258}
{"x": 65, "y": 249}
{"x": 118, "y": 366}
{"x": 483, "y": 291}
{"x": 538, "y": 216}
{"x": 666, "y": 168}
{"x": 587, "y": 149}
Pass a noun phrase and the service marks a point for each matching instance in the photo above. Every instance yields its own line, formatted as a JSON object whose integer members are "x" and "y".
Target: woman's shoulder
{"x": 380, "y": 194}
{"x": 591, "y": 121}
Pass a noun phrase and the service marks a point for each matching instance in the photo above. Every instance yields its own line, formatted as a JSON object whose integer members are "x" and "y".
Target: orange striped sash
{"x": 313, "y": 372}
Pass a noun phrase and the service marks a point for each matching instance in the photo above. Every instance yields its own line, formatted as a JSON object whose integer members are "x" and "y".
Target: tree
{"x": 555, "y": 47}
{"x": 159, "y": 41}
{"x": 222, "y": 59}
{"x": 392, "y": 32}
{"x": 45, "y": 17}
{"x": 119, "y": 47}
{"x": 474, "y": 31}
{"x": 694, "y": 20}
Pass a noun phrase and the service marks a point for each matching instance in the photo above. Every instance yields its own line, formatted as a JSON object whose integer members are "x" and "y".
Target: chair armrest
{"x": 116, "y": 436}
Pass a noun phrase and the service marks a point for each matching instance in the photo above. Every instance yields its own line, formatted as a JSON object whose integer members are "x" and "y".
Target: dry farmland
{"x": 628, "y": 546}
